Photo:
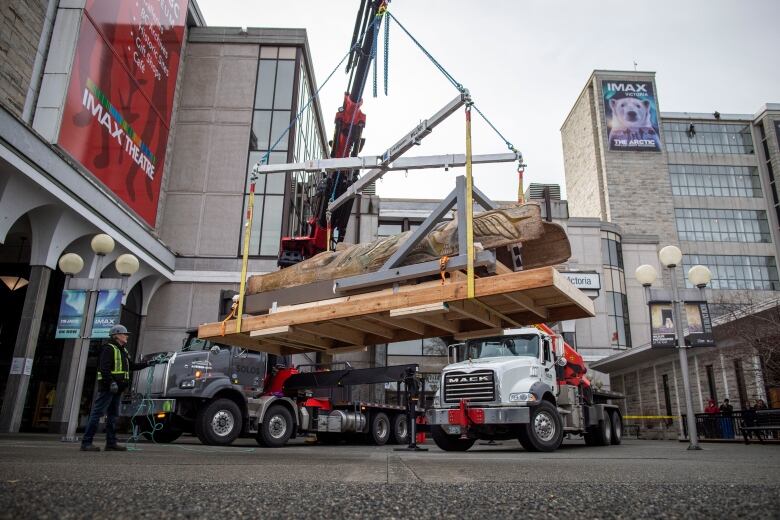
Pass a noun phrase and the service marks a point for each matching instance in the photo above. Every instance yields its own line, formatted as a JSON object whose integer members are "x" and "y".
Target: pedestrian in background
{"x": 727, "y": 419}
{"x": 114, "y": 367}
{"x": 710, "y": 423}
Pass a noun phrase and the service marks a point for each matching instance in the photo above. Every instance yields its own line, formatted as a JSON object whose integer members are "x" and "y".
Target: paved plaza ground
{"x": 41, "y": 477}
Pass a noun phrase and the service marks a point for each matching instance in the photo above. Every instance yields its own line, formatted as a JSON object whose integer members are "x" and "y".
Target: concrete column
{"x": 26, "y": 343}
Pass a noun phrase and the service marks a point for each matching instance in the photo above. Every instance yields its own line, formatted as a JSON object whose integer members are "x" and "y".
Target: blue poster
{"x": 109, "y": 305}
{"x": 71, "y": 314}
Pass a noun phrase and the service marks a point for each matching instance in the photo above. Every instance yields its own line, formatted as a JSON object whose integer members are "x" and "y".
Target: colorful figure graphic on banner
{"x": 631, "y": 115}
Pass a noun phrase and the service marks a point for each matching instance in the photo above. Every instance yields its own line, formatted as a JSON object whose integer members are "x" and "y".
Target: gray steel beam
{"x": 375, "y": 162}
{"x": 419, "y": 233}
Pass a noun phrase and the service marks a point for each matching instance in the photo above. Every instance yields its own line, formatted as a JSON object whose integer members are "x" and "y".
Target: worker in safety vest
{"x": 114, "y": 367}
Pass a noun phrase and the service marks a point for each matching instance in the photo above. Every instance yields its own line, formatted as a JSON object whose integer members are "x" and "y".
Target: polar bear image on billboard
{"x": 631, "y": 116}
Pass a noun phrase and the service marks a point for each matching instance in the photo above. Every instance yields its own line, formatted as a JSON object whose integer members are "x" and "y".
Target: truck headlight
{"x": 522, "y": 397}
{"x": 187, "y": 383}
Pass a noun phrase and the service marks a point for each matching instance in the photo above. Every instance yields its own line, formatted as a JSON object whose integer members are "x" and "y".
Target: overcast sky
{"x": 525, "y": 62}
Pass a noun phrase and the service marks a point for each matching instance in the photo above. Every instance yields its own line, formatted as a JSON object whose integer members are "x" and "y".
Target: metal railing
{"x": 716, "y": 425}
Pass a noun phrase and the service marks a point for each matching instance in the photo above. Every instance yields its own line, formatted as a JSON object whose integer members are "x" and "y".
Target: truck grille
{"x": 476, "y": 386}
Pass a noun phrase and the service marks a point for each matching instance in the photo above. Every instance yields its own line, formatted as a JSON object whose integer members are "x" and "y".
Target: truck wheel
{"x": 448, "y": 442}
{"x": 605, "y": 432}
{"x": 277, "y": 427}
{"x": 400, "y": 431}
{"x": 617, "y": 428}
{"x": 219, "y": 423}
{"x": 163, "y": 436}
{"x": 545, "y": 431}
{"x": 380, "y": 429}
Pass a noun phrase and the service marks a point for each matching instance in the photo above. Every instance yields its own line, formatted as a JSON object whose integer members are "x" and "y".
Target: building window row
{"x": 768, "y": 163}
{"x": 708, "y": 138}
{"x": 715, "y": 181}
{"x": 738, "y": 271}
{"x": 280, "y": 77}
{"x": 617, "y": 310}
{"x": 722, "y": 225}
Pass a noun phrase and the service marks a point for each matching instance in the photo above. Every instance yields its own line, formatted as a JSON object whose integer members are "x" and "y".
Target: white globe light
{"x": 670, "y": 256}
{"x": 646, "y": 274}
{"x": 102, "y": 244}
{"x": 126, "y": 264}
{"x": 699, "y": 275}
{"x": 71, "y": 263}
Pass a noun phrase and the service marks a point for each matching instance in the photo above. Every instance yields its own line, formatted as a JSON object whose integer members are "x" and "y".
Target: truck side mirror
{"x": 452, "y": 352}
{"x": 560, "y": 351}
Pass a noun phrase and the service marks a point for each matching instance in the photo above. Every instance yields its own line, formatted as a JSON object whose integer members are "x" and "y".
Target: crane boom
{"x": 326, "y": 228}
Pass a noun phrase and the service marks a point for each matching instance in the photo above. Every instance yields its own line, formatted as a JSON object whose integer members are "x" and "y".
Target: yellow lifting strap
{"x": 469, "y": 210}
{"x": 245, "y": 259}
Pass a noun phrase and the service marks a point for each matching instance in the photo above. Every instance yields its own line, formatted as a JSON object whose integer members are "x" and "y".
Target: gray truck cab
{"x": 203, "y": 389}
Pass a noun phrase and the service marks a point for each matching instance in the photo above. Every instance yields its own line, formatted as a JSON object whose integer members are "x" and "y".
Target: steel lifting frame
{"x": 390, "y": 272}
{"x": 391, "y": 159}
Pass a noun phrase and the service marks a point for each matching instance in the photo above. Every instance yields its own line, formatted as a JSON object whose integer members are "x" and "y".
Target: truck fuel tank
{"x": 341, "y": 421}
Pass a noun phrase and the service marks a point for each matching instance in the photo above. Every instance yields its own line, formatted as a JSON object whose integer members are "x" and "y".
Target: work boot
{"x": 89, "y": 447}
{"x": 115, "y": 447}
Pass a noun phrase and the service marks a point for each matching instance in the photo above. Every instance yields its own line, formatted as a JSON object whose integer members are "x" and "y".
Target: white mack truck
{"x": 524, "y": 384}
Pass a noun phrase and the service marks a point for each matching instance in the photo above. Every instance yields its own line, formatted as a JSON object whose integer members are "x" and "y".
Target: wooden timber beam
{"x": 420, "y": 310}
{"x": 369, "y": 327}
{"x": 401, "y": 323}
{"x": 336, "y": 332}
{"x": 438, "y": 322}
{"x": 482, "y": 333}
{"x": 527, "y": 303}
{"x": 472, "y": 311}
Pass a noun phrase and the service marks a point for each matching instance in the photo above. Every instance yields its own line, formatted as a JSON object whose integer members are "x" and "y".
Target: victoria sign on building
{"x": 120, "y": 97}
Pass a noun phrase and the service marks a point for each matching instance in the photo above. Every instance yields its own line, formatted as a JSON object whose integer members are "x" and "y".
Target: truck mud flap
{"x": 140, "y": 407}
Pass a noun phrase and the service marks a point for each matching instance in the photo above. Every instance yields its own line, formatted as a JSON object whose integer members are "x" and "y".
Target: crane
{"x": 326, "y": 228}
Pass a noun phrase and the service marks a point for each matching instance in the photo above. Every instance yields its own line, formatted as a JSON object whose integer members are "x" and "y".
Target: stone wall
{"x": 21, "y": 22}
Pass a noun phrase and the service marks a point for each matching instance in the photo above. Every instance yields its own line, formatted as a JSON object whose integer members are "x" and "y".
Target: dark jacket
{"x": 106, "y": 366}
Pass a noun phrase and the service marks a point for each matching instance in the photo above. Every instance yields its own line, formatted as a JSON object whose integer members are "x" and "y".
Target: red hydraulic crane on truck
{"x": 326, "y": 229}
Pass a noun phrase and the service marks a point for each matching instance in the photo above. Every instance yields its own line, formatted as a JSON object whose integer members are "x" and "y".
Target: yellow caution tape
{"x": 650, "y": 417}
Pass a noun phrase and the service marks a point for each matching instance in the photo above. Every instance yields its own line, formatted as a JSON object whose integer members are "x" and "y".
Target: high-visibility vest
{"x": 118, "y": 365}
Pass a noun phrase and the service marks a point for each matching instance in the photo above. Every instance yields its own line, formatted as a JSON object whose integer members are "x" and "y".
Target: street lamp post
{"x": 71, "y": 264}
{"x": 699, "y": 275}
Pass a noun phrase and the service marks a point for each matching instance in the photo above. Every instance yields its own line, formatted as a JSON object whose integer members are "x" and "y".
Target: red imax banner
{"x": 120, "y": 97}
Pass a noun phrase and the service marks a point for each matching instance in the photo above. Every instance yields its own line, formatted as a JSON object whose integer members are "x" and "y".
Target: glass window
{"x": 502, "y": 346}
{"x": 709, "y": 138}
{"x": 716, "y": 181}
{"x": 722, "y": 225}
{"x": 285, "y": 74}
{"x": 272, "y": 225}
{"x": 264, "y": 91}
{"x": 737, "y": 271}
{"x": 405, "y": 348}
{"x": 386, "y": 229}
{"x": 261, "y": 126}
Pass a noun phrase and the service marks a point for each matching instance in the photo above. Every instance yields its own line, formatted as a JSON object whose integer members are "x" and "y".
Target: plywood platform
{"x": 425, "y": 310}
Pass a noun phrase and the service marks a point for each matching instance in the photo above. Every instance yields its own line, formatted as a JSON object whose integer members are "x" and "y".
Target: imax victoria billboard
{"x": 120, "y": 97}
{"x": 631, "y": 113}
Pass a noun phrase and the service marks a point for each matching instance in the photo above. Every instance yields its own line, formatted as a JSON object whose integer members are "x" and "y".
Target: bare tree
{"x": 752, "y": 326}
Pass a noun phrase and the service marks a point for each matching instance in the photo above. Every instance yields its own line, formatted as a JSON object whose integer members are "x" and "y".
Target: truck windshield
{"x": 501, "y": 346}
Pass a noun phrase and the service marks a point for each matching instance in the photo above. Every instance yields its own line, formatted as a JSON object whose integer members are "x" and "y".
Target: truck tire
{"x": 380, "y": 429}
{"x": 448, "y": 442}
{"x": 163, "y": 436}
{"x": 400, "y": 431}
{"x": 277, "y": 427}
{"x": 218, "y": 423}
{"x": 617, "y": 428}
{"x": 544, "y": 432}
{"x": 605, "y": 431}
